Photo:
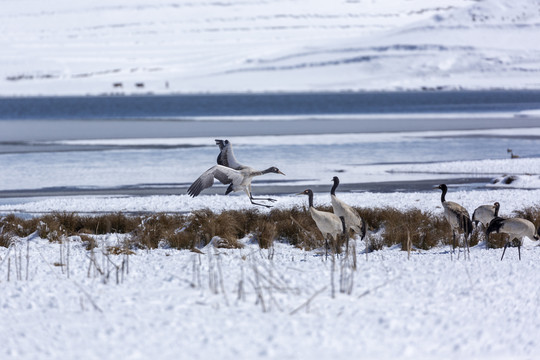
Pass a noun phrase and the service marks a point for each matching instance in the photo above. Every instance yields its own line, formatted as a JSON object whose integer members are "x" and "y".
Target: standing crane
{"x": 457, "y": 216}
{"x": 353, "y": 220}
{"x": 485, "y": 213}
{"x": 516, "y": 228}
{"x": 329, "y": 224}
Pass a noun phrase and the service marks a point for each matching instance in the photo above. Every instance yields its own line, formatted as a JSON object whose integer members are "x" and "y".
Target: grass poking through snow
{"x": 386, "y": 227}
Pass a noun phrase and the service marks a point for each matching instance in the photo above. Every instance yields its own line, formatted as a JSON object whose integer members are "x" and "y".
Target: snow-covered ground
{"x": 101, "y": 47}
{"x": 510, "y": 200}
{"x": 259, "y": 304}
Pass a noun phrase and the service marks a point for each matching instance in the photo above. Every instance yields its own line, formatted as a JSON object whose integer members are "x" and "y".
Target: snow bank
{"x": 517, "y": 181}
{"x": 428, "y": 201}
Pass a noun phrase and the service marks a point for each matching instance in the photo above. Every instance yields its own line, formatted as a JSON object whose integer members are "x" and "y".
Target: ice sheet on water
{"x": 356, "y": 158}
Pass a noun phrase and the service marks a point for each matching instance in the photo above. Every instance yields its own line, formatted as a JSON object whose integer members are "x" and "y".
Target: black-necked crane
{"x": 516, "y": 228}
{"x": 232, "y": 173}
{"x": 485, "y": 213}
{"x": 353, "y": 220}
{"x": 512, "y": 156}
{"x": 456, "y": 215}
{"x": 329, "y": 224}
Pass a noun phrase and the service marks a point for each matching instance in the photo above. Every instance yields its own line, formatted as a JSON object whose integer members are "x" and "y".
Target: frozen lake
{"x": 158, "y": 145}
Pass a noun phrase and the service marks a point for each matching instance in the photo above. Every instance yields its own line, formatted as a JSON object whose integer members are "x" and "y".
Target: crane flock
{"x": 344, "y": 217}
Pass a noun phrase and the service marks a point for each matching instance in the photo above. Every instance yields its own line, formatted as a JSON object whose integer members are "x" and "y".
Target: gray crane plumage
{"x": 353, "y": 220}
{"x": 456, "y": 215}
{"x": 226, "y": 155}
{"x": 485, "y": 213}
{"x": 329, "y": 224}
{"x": 516, "y": 228}
{"x": 230, "y": 172}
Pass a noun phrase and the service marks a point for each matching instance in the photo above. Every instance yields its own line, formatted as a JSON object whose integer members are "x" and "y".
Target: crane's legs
{"x": 254, "y": 203}
{"x": 519, "y": 251}
{"x": 326, "y": 247}
{"x": 505, "y": 246}
{"x": 468, "y": 254}
{"x": 251, "y": 198}
{"x": 265, "y": 199}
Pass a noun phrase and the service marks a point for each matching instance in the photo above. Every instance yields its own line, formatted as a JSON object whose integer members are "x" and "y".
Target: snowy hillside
{"x": 185, "y": 46}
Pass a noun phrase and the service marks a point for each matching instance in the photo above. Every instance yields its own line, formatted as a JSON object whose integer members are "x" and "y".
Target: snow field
{"x": 65, "y": 48}
{"x": 425, "y": 307}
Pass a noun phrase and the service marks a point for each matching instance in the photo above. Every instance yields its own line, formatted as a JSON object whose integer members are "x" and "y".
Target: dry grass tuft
{"x": 297, "y": 227}
{"x": 531, "y": 213}
{"x": 265, "y": 233}
{"x": 155, "y": 229}
{"x": 88, "y": 241}
{"x": 426, "y": 230}
{"x": 5, "y": 239}
{"x": 118, "y": 250}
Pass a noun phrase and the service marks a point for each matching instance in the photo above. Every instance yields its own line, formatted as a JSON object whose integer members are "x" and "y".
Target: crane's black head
{"x": 273, "y": 169}
{"x": 497, "y": 206}
{"x": 443, "y": 187}
{"x": 335, "y": 179}
{"x": 306, "y": 192}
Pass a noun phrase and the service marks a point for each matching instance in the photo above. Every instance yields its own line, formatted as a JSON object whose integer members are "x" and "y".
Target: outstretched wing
{"x": 224, "y": 174}
{"x": 226, "y": 155}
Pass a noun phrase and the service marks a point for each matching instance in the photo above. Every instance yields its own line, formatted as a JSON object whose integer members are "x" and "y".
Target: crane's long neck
{"x": 259, "y": 172}
{"x": 334, "y": 187}
{"x": 444, "y": 190}
{"x": 496, "y": 214}
{"x": 310, "y": 196}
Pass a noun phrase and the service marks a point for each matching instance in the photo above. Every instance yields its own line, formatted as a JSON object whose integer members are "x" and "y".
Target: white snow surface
{"x": 86, "y": 47}
{"x": 268, "y": 304}
{"x": 510, "y": 200}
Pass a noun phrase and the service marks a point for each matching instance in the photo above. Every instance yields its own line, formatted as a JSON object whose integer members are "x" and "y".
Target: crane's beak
{"x": 301, "y": 193}
{"x": 279, "y": 172}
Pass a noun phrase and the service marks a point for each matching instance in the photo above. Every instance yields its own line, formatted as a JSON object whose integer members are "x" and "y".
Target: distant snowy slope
{"x": 118, "y": 46}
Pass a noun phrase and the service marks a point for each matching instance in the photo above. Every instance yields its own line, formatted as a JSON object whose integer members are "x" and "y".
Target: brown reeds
{"x": 423, "y": 229}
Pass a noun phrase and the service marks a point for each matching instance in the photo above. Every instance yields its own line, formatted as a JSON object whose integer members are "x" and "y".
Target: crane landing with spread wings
{"x": 230, "y": 172}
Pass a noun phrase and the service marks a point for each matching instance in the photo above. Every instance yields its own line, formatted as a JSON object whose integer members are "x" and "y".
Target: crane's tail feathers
{"x": 465, "y": 223}
{"x": 364, "y": 229}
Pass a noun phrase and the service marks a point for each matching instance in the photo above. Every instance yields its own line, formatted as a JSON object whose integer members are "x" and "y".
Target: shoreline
{"x": 181, "y": 189}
